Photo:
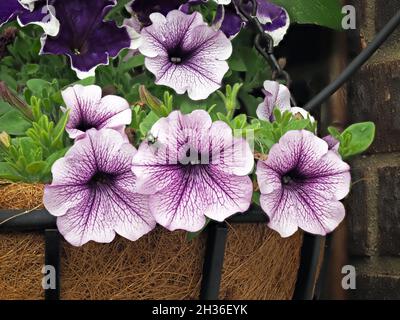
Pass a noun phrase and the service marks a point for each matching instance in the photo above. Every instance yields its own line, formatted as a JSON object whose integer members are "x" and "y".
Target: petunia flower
{"x": 93, "y": 192}
{"x": 274, "y": 19}
{"x": 333, "y": 143}
{"x": 276, "y": 96}
{"x": 301, "y": 184}
{"x": 38, "y": 12}
{"x": 196, "y": 169}
{"x": 142, "y": 9}
{"x": 88, "y": 109}
{"x": 184, "y": 53}
{"x": 85, "y": 37}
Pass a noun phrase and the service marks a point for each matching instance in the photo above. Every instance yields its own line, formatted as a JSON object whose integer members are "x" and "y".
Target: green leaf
{"x": 356, "y": 139}
{"x": 334, "y": 132}
{"x": 30, "y": 68}
{"x": 256, "y": 197}
{"x": 14, "y": 123}
{"x": 4, "y": 107}
{"x": 133, "y": 62}
{"x": 86, "y": 82}
{"x": 148, "y": 123}
{"x": 326, "y": 13}
{"x": 60, "y": 127}
{"x": 240, "y": 121}
{"x": 36, "y": 168}
{"x": 7, "y": 172}
{"x": 37, "y": 85}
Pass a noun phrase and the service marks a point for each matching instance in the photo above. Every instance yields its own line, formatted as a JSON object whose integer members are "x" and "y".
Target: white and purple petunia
{"x": 301, "y": 184}
{"x": 184, "y": 53}
{"x": 93, "y": 192}
{"x": 85, "y": 37}
{"x": 39, "y": 12}
{"x": 88, "y": 110}
{"x": 276, "y": 96}
{"x": 196, "y": 169}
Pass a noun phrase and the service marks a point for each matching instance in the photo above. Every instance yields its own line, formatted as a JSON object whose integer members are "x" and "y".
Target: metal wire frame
{"x": 217, "y": 233}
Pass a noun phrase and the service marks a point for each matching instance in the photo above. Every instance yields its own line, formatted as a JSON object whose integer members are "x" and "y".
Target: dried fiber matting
{"x": 161, "y": 265}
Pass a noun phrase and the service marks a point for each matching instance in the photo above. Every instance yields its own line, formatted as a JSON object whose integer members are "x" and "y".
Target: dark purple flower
{"x": 228, "y": 20}
{"x": 37, "y": 12}
{"x": 274, "y": 19}
{"x": 93, "y": 192}
{"x": 301, "y": 184}
{"x": 184, "y": 53}
{"x": 196, "y": 169}
{"x": 276, "y": 96}
{"x": 142, "y": 9}
{"x": 9, "y": 10}
{"x": 84, "y": 36}
{"x": 88, "y": 110}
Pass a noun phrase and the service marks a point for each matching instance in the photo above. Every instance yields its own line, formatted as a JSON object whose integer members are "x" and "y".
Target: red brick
{"x": 374, "y": 95}
{"x": 389, "y": 211}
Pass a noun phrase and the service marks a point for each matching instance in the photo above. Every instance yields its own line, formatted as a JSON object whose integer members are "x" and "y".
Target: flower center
{"x": 178, "y": 56}
{"x": 83, "y": 126}
{"x": 292, "y": 177}
{"x": 101, "y": 178}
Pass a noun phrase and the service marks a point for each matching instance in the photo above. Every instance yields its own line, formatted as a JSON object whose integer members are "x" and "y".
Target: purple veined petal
{"x": 312, "y": 213}
{"x": 85, "y": 37}
{"x": 93, "y": 192}
{"x": 276, "y": 96}
{"x": 205, "y": 191}
{"x": 42, "y": 14}
{"x": 183, "y": 193}
{"x": 301, "y": 184}
{"x": 232, "y": 155}
{"x": 153, "y": 169}
{"x": 185, "y": 54}
{"x": 88, "y": 109}
{"x": 177, "y": 131}
{"x": 174, "y": 135}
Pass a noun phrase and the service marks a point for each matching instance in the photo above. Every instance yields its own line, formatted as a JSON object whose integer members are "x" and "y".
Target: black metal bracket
{"x": 213, "y": 261}
{"x": 307, "y": 275}
{"x": 52, "y": 263}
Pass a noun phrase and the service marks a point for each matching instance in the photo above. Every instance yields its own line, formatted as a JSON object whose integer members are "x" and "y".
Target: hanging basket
{"x": 257, "y": 264}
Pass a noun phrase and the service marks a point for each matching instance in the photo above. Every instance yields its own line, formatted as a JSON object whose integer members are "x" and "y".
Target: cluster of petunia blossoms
{"x": 191, "y": 168}
{"x": 79, "y": 30}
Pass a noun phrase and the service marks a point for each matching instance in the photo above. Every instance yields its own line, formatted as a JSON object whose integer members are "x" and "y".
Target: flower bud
{"x": 14, "y": 101}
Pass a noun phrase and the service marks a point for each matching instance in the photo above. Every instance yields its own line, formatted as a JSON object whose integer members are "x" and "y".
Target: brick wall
{"x": 374, "y": 205}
